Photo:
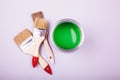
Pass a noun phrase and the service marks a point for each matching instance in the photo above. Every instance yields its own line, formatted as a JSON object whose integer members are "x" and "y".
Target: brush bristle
{"x": 37, "y": 14}
{"x": 40, "y": 23}
{"x": 22, "y": 36}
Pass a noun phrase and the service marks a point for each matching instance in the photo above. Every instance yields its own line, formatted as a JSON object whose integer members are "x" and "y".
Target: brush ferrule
{"x": 39, "y": 32}
{"x": 26, "y": 44}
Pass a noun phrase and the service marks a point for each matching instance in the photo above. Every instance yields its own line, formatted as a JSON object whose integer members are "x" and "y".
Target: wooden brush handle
{"x": 45, "y": 65}
{"x": 42, "y": 62}
{"x": 38, "y": 42}
{"x": 49, "y": 51}
{"x": 30, "y": 51}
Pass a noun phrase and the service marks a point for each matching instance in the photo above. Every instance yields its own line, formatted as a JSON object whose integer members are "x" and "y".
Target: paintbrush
{"x": 47, "y": 46}
{"x": 39, "y": 32}
{"x": 25, "y": 42}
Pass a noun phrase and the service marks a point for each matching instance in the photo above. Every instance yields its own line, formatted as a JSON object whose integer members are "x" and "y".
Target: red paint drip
{"x": 48, "y": 69}
{"x": 34, "y": 61}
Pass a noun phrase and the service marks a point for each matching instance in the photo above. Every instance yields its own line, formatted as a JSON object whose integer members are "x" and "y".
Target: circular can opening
{"x": 67, "y": 35}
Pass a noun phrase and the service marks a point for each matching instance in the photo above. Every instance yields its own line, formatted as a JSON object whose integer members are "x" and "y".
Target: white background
{"x": 98, "y": 57}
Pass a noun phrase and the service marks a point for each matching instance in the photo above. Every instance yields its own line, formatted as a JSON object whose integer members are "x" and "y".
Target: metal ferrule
{"x": 26, "y": 44}
{"x": 39, "y": 32}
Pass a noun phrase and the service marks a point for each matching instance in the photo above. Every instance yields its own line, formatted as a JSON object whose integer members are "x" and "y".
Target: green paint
{"x": 67, "y": 35}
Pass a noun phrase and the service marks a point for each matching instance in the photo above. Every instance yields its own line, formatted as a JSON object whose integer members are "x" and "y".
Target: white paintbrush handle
{"x": 49, "y": 52}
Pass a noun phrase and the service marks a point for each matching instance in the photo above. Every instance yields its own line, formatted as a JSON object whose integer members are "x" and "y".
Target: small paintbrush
{"x": 39, "y": 32}
{"x": 49, "y": 51}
